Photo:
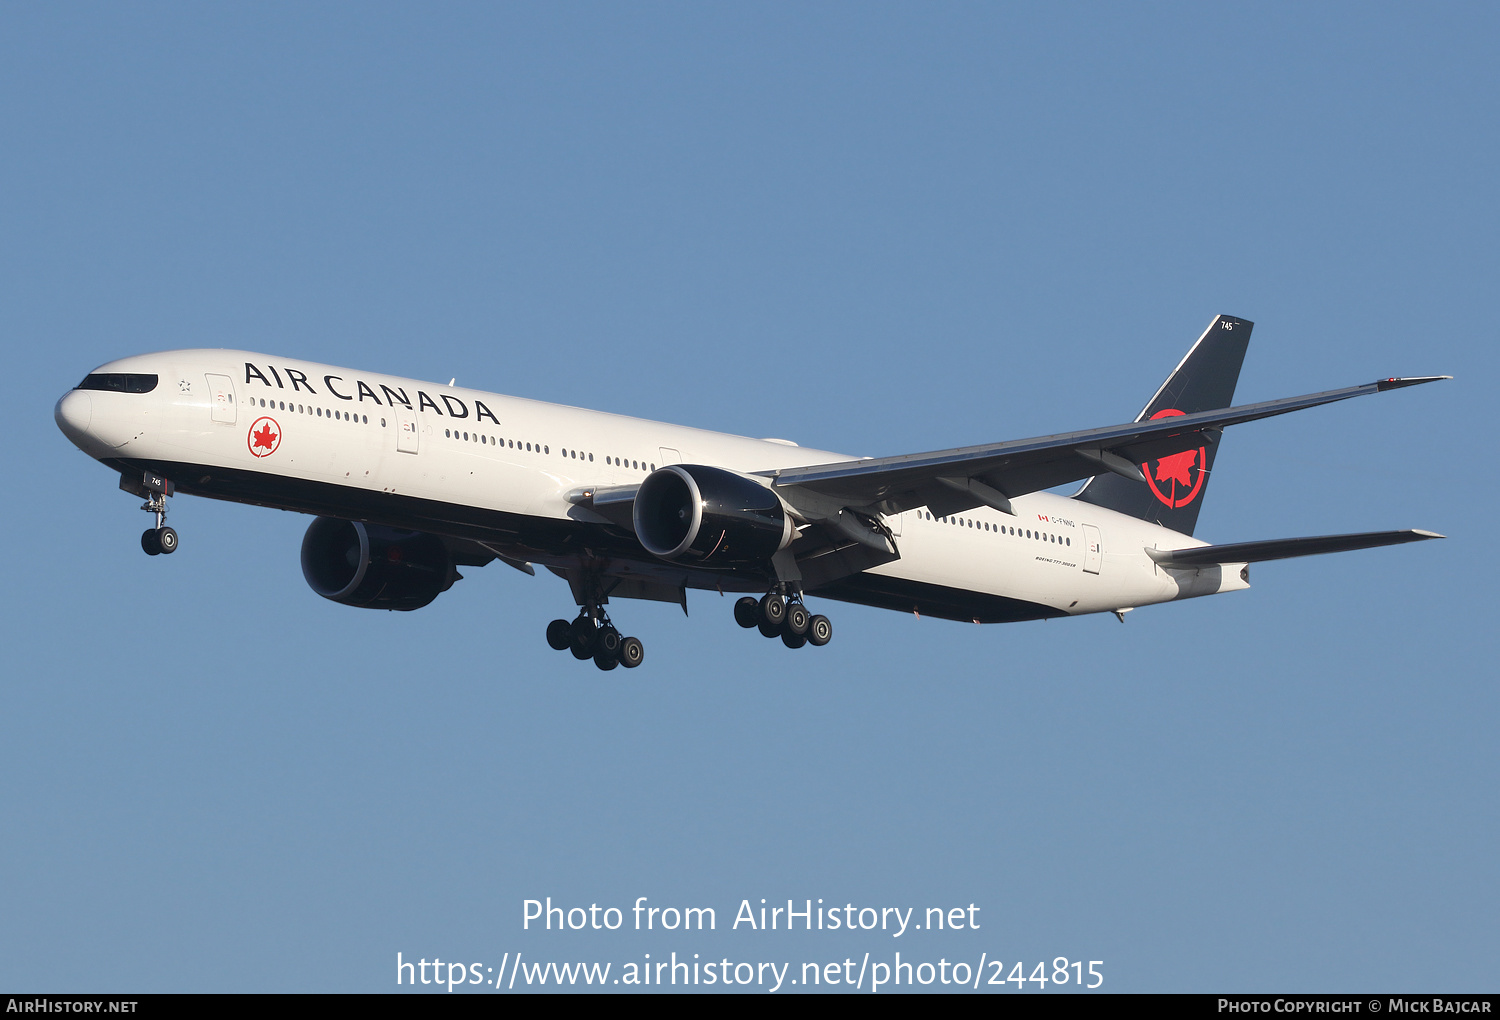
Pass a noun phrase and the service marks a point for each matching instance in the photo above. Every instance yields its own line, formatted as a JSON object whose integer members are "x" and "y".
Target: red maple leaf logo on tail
{"x": 1177, "y": 467}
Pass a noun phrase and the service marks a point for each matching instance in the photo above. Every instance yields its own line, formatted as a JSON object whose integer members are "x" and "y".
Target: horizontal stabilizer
{"x": 1284, "y": 548}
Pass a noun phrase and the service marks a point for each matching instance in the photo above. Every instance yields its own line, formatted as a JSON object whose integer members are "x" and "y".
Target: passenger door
{"x": 221, "y": 393}
{"x": 406, "y": 430}
{"x": 1093, "y": 549}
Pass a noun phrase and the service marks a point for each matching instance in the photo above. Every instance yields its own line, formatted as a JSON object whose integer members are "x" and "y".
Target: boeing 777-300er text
{"x": 410, "y": 480}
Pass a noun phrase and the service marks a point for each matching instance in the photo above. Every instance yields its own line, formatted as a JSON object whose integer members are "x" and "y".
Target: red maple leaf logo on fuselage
{"x": 265, "y": 437}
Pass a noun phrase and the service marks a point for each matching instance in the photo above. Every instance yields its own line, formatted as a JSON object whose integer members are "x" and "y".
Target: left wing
{"x": 949, "y": 481}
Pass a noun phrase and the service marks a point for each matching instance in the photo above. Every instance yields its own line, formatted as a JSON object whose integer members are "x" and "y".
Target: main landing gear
{"x": 786, "y": 618}
{"x": 592, "y": 636}
{"x": 160, "y": 539}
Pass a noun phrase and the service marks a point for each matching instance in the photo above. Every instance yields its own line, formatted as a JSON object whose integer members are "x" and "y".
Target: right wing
{"x": 950, "y": 481}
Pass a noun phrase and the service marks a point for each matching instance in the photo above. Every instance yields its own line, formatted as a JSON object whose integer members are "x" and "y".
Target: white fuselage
{"x": 472, "y": 457}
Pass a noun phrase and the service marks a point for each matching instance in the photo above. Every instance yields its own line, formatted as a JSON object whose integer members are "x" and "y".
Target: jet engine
{"x": 709, "y": 517}
{"x": 375, "y": 567}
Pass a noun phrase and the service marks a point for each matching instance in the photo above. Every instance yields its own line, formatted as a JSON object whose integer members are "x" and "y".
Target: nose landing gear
{"x": 160, "y": 539}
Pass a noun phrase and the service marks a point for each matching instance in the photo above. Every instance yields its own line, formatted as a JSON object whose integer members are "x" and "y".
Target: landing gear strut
{"x": 784, "y": 617}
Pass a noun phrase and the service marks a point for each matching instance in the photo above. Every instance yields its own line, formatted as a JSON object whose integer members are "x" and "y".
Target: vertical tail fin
{"x": 1204, "y": 381}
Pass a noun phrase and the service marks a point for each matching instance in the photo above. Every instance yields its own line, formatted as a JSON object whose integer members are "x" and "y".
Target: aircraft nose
{"x": 73, "y": 413}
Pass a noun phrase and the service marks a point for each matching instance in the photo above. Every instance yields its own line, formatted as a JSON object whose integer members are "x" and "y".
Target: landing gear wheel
{"x": 607, "y": 643}
{"x": 604, "y": 661}
{"x": 559, "y": 635}
{"x": 793, "y": 640}
{"x": 151, "y": 542}
{"x": 166, "y": 538}
{"x": 819, "y": 630}
{"x": 797, "y": 621}
{"x": 747, "y": 612}
{"x": 772, "y": 610}
{"x": 581, "y": 636}
{"x": 772, "y": 614}
{"x": 632, "y": 652}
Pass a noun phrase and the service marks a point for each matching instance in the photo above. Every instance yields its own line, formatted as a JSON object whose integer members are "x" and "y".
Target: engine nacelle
{"x": 375, "y": 567}
{"x": 710, "y": 517}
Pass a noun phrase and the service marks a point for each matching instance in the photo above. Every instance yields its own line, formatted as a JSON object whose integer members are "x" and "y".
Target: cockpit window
{"x": 120, "y": 382}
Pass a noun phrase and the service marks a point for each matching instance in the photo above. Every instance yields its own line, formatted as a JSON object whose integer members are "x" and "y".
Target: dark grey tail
{"x": 1173, "y": 491}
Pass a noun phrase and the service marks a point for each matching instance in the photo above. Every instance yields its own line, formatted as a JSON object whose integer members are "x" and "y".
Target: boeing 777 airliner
{"x": 411, "y": 480}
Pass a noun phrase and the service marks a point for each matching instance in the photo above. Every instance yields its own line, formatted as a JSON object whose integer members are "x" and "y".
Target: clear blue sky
{"x": 873, "y": 228}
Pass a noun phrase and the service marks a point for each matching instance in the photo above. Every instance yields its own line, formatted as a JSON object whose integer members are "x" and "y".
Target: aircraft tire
{"x": 632, "y": 652}
{"x": 559, "y": 635}
{"x": 798, "y": 619}
{"x": 604, "y": 661}
{"x": 150, "y": 542}
{"x": 581, "y": 635}
{"x": 607, "y": 643}
{"x": 772, "y": 611}
{"x": 819, "y": 630}
{"x": 747, "y": 612}
{"x": 793, "y": 640}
